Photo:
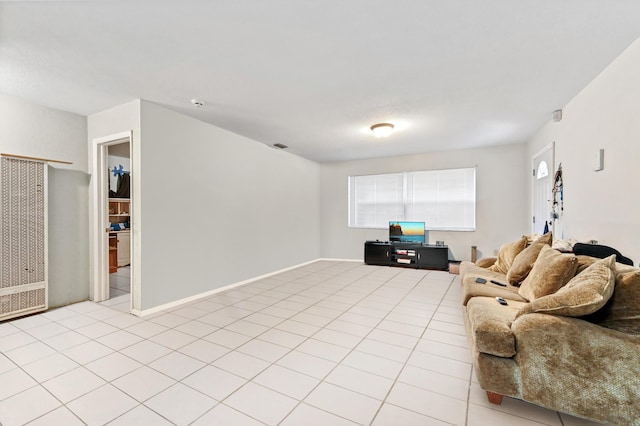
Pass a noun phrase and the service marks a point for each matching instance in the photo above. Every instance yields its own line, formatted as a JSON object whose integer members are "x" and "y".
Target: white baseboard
{"x": 176, "y": 303}
{"x": 339, "y": 260}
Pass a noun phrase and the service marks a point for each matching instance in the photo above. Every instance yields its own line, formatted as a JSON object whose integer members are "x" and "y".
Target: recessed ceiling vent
{"x": 280, "y": 146}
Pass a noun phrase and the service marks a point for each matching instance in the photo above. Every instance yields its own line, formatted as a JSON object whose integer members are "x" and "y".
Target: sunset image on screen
{"x": 412, "y": 228}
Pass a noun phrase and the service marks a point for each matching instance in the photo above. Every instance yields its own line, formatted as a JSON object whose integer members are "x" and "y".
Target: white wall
{"x": 604, "y": 205}
{"x": 219, "y": 208}
{"x": 501, "y": 204}
{"x": 37, "y": 131}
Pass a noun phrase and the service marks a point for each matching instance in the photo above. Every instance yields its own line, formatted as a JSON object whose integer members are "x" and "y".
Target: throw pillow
{"x": 546, "y": 238}
{"x": 624, "y": 305}
{"x": 507, "y": 254}
{"x": 586, "y": 293}
{"x": 523, "y": 263}
{"x": 550, "y": 272}
{"x": 563, "y": 246}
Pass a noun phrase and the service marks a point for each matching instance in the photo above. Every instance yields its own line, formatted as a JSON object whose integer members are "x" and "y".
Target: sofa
{"x": 568, "y": 337}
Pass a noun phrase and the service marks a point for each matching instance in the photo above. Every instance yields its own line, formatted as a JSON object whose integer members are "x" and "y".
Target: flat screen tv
{"x": 406, "y": 232}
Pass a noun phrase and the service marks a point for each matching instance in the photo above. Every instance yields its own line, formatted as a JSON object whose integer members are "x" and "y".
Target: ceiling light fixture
{"x": 382, "y": 130}
{"x": 197, "y": 103}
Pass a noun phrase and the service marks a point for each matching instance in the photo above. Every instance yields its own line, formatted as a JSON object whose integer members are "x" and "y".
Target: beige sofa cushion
{"x": 523, "y": 263}
{"x": 622, "y": 312}
{"x": 507, "y": 254}
{"x": 625, "y": 303}
{"x": 470, "y": 288}
{"x": 486, "y": 262}
{"x": 490, "y": 324}
{"x": 584, "y": 262}
{"x": 550, "y": 272}
{"x": 546, "y": 238}
{"x": 586, "y": 293}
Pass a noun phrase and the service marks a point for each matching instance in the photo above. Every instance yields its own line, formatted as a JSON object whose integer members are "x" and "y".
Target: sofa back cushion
{"x": 507, "y": 254}
{"x": 546, "y": 238}
{"x": 622, "y": 312}
{"x": 524, "y": 261}
{"x": 625, "y": 303}
{"x": 550, "y": 272}
{"x": 586, "y": 293}
{"x": 584, "y": 262}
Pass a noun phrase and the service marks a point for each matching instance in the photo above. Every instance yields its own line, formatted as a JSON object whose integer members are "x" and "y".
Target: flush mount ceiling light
{"x": 382, "y": 130}
{"x": 197, "y": 103}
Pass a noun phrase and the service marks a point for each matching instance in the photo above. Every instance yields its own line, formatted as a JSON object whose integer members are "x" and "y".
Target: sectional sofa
{"x": 568, "y": 337}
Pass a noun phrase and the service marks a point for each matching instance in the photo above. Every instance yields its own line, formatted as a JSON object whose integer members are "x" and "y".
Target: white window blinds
{"x": 443, "y": 199}
{"x": 376, "y": 198}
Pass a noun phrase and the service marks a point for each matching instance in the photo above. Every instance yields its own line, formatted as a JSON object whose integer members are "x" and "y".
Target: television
{"x": 406, "y": 232}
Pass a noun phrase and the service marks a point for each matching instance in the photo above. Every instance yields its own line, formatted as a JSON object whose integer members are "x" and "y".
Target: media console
{"x": 408, "y": 255}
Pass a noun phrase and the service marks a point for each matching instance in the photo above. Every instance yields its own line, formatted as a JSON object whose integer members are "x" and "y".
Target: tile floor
{"x": 330, "y": 343}
{"x": 120, "y": 282}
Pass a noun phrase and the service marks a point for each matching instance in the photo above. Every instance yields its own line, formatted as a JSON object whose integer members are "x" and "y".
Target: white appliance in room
{"x": 23, "y": 237}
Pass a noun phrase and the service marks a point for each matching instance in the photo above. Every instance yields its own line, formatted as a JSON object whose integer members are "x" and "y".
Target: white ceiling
{"x": 314, "y": 75}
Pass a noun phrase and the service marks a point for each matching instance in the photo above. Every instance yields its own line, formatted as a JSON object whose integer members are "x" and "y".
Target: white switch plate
{"x": 598, "y": 160}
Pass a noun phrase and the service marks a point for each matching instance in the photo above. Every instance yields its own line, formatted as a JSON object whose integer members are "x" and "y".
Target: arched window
{"x": 543, "y": 170}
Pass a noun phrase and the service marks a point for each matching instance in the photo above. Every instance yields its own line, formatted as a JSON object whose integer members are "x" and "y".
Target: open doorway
{"x": 113, "y": 224}
{"x": 119, "y": 194}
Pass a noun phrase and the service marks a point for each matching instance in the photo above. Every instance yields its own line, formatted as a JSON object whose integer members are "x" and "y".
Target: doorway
{"x": 119, "y": 202}
{"x": 543, "y": 166}
{"x": 112, "y": 222}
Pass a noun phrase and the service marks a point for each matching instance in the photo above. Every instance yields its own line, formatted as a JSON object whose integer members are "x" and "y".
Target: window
{"x": 543, "y": 170}
{"x": 443, "y": 199}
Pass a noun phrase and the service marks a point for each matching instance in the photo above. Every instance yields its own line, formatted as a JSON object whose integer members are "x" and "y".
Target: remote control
{"x": 501, "y": 301}
{"x": 498, "y": 283}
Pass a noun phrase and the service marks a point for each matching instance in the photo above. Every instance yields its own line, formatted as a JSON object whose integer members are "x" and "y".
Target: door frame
{"x": 99, "y": 285}
{"x": 552, "y": 147}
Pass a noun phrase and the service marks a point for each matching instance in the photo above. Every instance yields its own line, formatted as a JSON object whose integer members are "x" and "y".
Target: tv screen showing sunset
{"x": 406, "y": 231}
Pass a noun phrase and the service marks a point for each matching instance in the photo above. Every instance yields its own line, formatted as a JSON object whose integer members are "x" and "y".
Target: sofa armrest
{"x": 470, "y": 268}
{"x": 486, "y": 262}
{"x": 578, "y": 367}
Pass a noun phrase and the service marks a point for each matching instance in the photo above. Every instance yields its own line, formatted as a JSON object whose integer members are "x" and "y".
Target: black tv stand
{"x": 406, "y": 255}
